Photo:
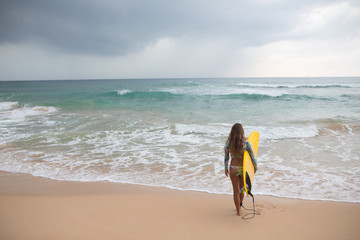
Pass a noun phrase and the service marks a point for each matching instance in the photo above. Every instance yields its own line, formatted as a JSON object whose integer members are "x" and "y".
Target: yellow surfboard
{"x": 248, "y": 167}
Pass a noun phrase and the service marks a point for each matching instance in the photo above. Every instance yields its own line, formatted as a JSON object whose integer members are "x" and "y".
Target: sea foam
{"x": 8, "y": 105}
{"x": 123, "y": 91}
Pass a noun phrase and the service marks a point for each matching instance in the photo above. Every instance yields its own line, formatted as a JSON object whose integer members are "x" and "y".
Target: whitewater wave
{"x": 171, "y": 92}
{"x": 266, "y": 132}
{"x": 246, "y": 94}
{"x": 255, "y": 85}
{"x": 180, "y": 156}
{"x": 12, "y": 112}
{"x": 123, "y": 92}
{"x": 8, "y": 105}
{"x": 225, "y": 91}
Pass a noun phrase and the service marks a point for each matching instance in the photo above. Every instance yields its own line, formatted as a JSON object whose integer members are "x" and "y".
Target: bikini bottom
{"x": 239, "y": 170}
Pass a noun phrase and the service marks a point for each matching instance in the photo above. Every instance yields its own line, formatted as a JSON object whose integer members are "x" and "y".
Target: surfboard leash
{"x": 252, "y": 212}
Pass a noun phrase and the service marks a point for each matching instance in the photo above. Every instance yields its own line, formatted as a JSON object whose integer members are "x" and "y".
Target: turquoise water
{"x": 170, "y": 132}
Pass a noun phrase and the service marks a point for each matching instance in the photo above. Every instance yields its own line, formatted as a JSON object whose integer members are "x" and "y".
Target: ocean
{"x": 171, "y": 132}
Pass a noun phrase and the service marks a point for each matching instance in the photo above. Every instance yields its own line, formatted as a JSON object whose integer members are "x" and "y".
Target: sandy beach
{"x": 39, "y": 208}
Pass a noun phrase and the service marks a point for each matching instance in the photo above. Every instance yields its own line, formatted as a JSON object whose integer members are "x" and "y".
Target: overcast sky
{"x": 92, "y": 39}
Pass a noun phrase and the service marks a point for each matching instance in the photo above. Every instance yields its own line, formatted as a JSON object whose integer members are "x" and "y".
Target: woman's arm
{"x": 252, "y": 156}
{"x": 226, "y": 157}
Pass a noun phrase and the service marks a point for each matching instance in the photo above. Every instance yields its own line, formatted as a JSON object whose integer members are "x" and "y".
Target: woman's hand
{"x": 226, "y": 172}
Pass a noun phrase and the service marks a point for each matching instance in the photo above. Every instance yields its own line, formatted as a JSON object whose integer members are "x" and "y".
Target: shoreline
{"x": 40, "y": 208}
{"x": 45, "y": 181}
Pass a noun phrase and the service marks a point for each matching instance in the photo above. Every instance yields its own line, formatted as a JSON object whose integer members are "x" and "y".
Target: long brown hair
{"x": 236, "y": 140}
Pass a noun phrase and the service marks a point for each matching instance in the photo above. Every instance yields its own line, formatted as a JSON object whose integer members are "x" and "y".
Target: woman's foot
{"x": 239, "y": 210}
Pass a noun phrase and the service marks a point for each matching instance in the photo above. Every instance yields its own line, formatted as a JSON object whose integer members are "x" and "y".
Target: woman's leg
{"x": 235, "y": 180}
{"x": 241, "y": 186}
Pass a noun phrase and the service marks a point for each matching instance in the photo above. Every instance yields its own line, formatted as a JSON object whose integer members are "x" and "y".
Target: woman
{"x": 235, "y": 146}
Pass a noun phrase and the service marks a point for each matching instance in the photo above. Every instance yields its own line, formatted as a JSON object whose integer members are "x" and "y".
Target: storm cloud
{"x": 226, "y": 29}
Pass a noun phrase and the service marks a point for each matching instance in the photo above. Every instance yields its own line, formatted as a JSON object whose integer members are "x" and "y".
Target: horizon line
{"x": 164, "y": 78}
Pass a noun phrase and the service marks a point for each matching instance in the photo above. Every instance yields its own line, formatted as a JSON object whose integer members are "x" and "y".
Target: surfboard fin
{"x": 248, "y": 183}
